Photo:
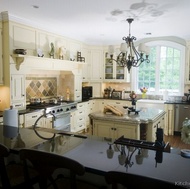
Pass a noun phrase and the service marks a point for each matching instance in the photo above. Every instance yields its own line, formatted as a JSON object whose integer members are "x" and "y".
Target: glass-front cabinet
{"x": 114, "y": 72}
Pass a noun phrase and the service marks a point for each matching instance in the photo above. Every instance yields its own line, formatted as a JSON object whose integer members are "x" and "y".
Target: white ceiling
{"x": 103, "y": 22}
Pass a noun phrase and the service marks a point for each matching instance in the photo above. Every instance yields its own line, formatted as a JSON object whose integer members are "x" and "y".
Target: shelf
{"x": 40, "y": 62}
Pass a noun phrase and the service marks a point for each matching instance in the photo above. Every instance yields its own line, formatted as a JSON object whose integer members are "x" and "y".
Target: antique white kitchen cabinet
{"x": 96, "y": 65}
{"x": 78, "y": 122}
{"x": 89, "y": 108}
{"x": 87, "y": 65}
{"x": 187, "y": 65}
{"x": 115, "y": 130}
{"x": 169, "y": 119}
{"x": 115, "y": 73}
{"x": 1, "y": 58}
{"x": 77, "y": 90}
{"x": 18, "y": 97}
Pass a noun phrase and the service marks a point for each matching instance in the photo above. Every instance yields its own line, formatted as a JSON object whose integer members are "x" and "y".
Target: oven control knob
{"x": 67, "y": 109}
{"x": 72, "y": 107}
{"x": 53, "y": 111}
{"x": 58, "y": 110}
{"x": 61, "y": 110}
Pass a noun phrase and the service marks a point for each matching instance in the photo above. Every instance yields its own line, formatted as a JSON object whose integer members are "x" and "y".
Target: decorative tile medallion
{"x": 42, "y": 87}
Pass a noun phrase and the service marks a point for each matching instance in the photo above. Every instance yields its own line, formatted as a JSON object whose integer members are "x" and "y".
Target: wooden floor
{"x": 175, "y": 142}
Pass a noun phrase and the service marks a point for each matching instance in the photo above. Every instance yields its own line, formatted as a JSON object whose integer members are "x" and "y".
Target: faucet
{"x": 35, "y": 124}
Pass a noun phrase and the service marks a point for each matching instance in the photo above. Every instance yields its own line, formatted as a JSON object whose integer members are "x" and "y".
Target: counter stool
{"x": 12, "y": 175}
{"x": 46, "y": 163}
{"x": 131, "y": 181}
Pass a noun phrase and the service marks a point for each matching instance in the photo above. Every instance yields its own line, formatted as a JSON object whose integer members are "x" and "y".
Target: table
{"x": 92, "y": 153}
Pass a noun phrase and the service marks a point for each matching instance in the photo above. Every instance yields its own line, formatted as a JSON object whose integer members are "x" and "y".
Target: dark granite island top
{"x": 130, "y": 125}
{"x": 92, "y": 153}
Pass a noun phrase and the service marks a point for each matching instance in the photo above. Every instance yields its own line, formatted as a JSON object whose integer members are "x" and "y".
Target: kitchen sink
{"x": 149, "y": 103}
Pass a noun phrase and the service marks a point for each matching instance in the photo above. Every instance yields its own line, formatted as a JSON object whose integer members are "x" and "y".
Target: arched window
{"x": 165, "y": 70}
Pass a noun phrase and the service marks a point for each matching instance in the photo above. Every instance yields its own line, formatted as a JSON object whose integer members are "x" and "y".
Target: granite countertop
{"x": 145, "y": 115}
{"x": 25, "y": 111}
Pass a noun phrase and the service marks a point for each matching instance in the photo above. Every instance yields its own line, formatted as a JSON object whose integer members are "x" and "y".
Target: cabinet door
{"x": 1, "y": 59}
{"x": 187, "y": 65}
{"x": 115, "y": 72}
{"x": 128, "y": 131}
{"x": 86, "y": 67}
{"x": 96, "y": 65}
{"x": 169, "y": 119}
{"x": 17, "y": 88}
{"x": 78, "y": 83}
{"x": 102, "y": 129}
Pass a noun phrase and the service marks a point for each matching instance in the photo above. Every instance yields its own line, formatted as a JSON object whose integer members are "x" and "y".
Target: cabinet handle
{"x": 34, "y": 116}
{"x": 23, "y": 95}
{"x": 118, "y": 103}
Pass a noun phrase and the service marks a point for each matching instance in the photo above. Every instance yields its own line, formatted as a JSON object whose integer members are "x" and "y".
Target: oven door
{"x": 62, "y": 122}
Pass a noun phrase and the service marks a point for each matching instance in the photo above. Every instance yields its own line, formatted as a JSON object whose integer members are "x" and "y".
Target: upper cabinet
{"x": 87, "y": 65}
{"x": 1, "y": 58}
{"x": 114, "y": 72}
{"x": 187, "y": 79}
{"x": 96, "y": 65}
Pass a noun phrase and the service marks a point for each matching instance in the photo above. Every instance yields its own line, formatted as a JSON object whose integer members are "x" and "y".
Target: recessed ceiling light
{"x": 35, "y": 6}
{"x": 148, "y": 33}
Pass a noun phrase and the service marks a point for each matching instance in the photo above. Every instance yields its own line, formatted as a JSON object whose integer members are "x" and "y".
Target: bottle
{"x": 68, "y": 94}
{"x": 123, "y": 94}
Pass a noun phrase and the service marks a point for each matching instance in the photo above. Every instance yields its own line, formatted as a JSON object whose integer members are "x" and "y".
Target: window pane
{"x": 167, "y": 60}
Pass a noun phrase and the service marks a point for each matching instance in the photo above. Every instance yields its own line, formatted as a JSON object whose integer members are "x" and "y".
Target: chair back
{"x": 46, "y": 163}
{"x": 4, "y": 152}
{"x": 131, "y": 181}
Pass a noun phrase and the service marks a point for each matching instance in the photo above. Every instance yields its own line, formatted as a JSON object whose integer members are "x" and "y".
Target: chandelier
{"x": 129, "y": 56}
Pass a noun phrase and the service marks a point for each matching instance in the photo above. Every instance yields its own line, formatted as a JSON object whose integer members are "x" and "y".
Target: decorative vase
{"x": 143, "y": 95}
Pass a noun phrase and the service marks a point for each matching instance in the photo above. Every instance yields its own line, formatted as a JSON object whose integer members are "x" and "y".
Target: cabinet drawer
{"x": 80, "y": 106}
{"x": 30, "y": 119}
{"x": 80, "y": 126}
{"x": 80, "y": 118}
{"x": 80, "y": 112}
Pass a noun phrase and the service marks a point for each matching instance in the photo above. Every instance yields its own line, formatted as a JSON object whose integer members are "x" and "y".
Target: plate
{"x": 185, "y": 153}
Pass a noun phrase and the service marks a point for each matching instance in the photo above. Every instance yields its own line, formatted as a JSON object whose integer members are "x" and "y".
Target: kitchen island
{"x": 91, "y": 151}
{"x": 135, "y": 126}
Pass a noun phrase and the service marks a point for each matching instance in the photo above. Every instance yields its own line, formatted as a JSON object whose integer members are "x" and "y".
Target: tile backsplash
{"x": 42, "y": 87}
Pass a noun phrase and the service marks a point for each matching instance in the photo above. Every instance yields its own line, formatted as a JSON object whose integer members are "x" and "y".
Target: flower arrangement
{"x": 143, "y": 89}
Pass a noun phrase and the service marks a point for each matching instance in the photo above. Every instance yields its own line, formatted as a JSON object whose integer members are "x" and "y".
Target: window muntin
{"x": 165, "y": 70}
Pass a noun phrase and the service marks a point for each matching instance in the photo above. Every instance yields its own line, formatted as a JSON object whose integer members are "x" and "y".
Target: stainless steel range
{"x": 60, "y": 113}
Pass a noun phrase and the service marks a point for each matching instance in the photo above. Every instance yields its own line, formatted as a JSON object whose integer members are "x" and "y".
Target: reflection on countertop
{"x": 25, "y": 111}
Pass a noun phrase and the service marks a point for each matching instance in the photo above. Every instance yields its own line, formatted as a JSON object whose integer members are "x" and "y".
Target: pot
{"x": 35, "y": 100}
{"x": 53, "y": 101}
{"x": 60, "y": 98}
